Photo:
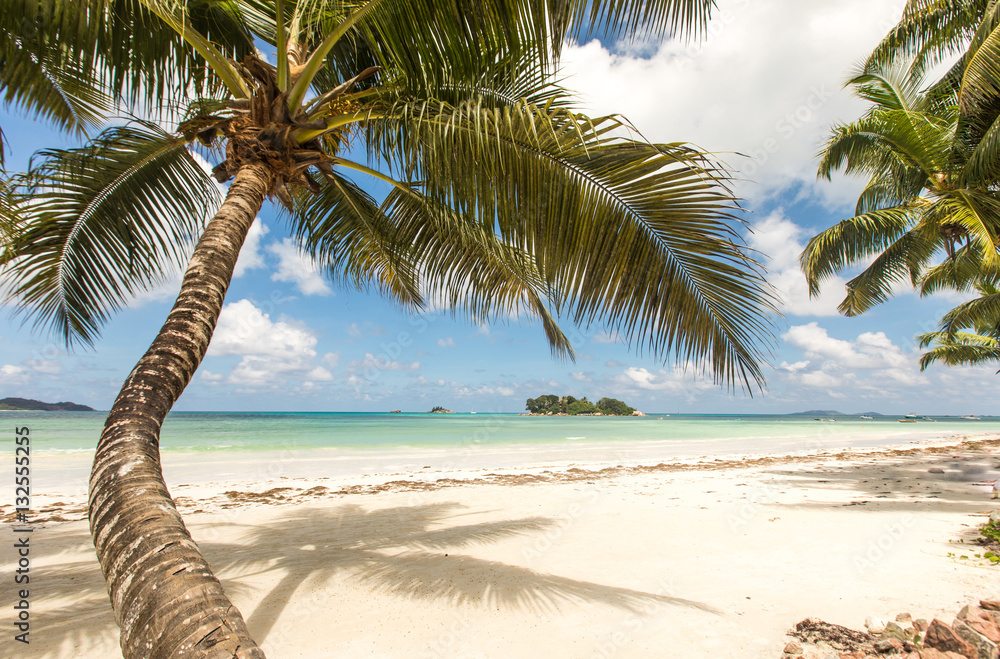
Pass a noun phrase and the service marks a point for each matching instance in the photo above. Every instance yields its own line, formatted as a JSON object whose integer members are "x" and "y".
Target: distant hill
{"x": 818, "y": 413}
{"x": 831, "y": 413}
{"x": 29, "y": 405}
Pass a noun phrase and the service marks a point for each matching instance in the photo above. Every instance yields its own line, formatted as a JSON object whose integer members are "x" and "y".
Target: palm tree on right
{"x": 929, "y": 216}
{"x": 931, "y": 191}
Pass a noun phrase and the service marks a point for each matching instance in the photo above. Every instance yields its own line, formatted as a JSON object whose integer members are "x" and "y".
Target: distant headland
{"x": 30, "y": 405}
{"x": 831, "y": 413}
{"x": 552, "y": 405}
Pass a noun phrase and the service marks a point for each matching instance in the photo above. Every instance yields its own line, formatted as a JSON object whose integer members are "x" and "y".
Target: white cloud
{"x": 272, "y": 352}
{"x": 366, "y": 328}
{"x": 782, "y": 241}
{"x": 765, "y": 89}
{"x": 580, "y": 376}
{"x": 251, "y": 257}
{"x": 13, "y": 375}
{"x": 381, "y": 363}
{"x": 46, "y": 366}
{"x": 871, "y": 350}
{"x": 606, "y": 337}
{"x": 678, "y": 380}
{"x": 298, "y": 268}
{"x": 870, "y": 364}
{"x": 244, "y": 329}
{"x": 320, "y": 374}
{"x": 331, "y": 360}
{"x": 210, "y": 377}
{"x": 446, "y": 342}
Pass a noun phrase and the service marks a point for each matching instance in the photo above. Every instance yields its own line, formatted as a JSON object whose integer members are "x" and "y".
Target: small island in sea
{"x": 552, "y": 405}
{"x": 437, "y": 409}
{"x": 31, "y": 405}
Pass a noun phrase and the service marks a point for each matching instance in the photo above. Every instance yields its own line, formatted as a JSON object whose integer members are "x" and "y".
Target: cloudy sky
{"x": 761, "y": 91}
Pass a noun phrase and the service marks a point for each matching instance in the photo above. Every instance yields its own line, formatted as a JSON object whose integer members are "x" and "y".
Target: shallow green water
{"x": 67, "y": 432}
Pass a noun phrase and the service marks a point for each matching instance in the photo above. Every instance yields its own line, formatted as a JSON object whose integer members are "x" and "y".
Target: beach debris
{"x": 815, "y": 631}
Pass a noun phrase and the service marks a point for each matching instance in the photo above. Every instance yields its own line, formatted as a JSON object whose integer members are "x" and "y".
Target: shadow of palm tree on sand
{"x": 407, "y": 552}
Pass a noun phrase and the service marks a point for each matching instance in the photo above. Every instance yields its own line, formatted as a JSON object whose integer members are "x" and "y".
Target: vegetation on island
{"x": 437, "y": 409}
{"x": 30, "y": 404}
{"x": 502, "y": 200}
{"x": 551, "y": 404}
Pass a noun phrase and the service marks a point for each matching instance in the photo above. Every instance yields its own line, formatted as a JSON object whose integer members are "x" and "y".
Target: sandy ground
{"x": 711, "y": 559}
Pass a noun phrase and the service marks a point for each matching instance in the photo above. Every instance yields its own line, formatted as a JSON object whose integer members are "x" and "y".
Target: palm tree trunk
{"x": 165, "y": 597}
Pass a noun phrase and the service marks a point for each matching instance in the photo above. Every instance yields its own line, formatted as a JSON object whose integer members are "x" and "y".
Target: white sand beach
{"x": 696, "y": 558}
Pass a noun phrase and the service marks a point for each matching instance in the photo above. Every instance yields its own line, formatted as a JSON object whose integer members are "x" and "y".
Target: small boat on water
{"x": 829, "y": 420}
{"x": 865, "y": 416}
{"x": 910, "y": 416}
{"x": 907, "y": 420}
{"x": 971, "y": 417}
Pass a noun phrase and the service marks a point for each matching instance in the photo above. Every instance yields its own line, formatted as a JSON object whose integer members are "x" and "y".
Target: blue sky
{"x": 765, "y": 83}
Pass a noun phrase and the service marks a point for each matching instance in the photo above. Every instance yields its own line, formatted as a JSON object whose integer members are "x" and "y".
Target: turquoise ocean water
{"x": 236, "y": 432}
{"x": 203, "y": 447}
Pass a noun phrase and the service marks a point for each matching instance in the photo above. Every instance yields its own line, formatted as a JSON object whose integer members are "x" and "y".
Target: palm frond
{"x": 349, "y": 235}
{"x": 636, "y": 235}
{"x": 61, "y": 92}
{"x": 958, "y": 349}
{"x": 466, "y": 268}
{"x": 981, "y": 312}
{"x": 115, "y": 49}
{"x": 852, "y": 240}
{"x": 101, "y": 223}
{"x": 928, "y": 32}
{"x": 889, "y": 141}
{"x": 966, "y": 271}
{"x": 982, "y": 169}
{"x": 976, "y": 213}
{"x": 901, "y": 260}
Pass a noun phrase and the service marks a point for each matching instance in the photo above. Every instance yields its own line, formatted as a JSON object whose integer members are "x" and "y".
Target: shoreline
{"x": 707, "y": 556}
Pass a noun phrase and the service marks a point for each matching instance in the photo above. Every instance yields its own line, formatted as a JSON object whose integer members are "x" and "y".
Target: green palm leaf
{"x": 465, "y": 267}
{"x": 959, "y": 349}
{"x": 852, "y": 240}
{"x": 899, "y": 261}
{"x": 71, "y": 62}
{"x": 981, "y": 312}
{"x": 965, "y": 272}
{"x": 100, "y": 223}
{"x": 349, "y": 235}
{"x": 636, "y": 235}
{"x": 928, "y": 32}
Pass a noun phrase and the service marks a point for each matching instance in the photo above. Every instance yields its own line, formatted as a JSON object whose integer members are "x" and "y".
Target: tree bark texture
{"x": 166, "y": 600}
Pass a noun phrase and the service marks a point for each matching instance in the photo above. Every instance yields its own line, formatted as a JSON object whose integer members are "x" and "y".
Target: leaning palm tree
{"x": 503, "y": 200}
{"x": 929, "y": 191}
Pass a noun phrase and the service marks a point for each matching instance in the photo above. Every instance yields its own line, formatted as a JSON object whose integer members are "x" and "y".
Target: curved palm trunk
{"x": 165, "y": 597}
